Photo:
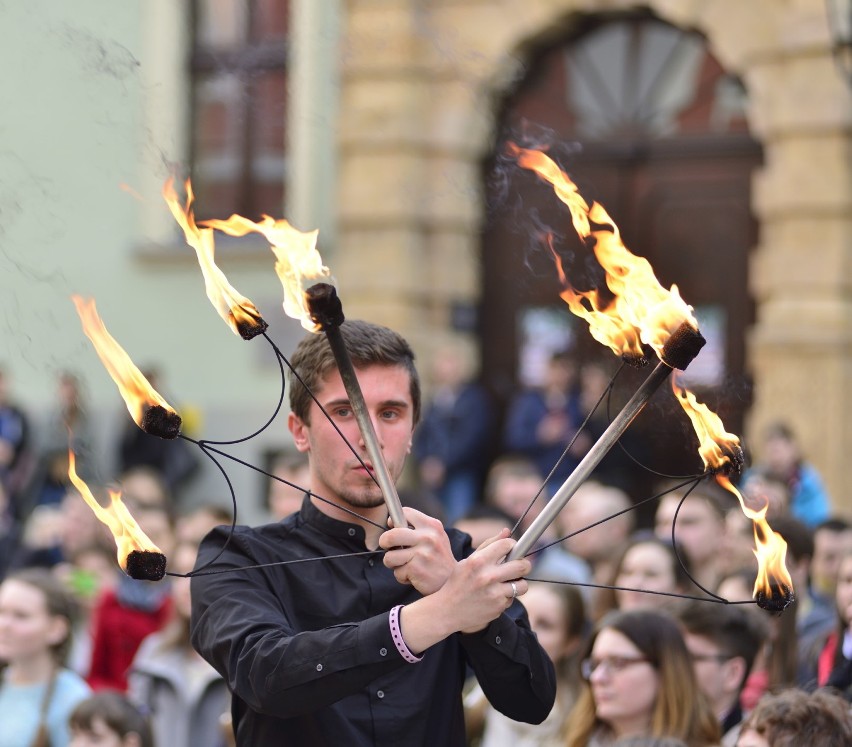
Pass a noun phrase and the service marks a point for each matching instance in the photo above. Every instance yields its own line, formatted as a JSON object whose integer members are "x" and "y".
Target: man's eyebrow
{"x": 398, "y": 403}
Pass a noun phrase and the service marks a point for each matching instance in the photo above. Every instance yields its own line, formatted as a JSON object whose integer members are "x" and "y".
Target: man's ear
{"x": 734, "y": 673}
{"x": 299, "y": 430}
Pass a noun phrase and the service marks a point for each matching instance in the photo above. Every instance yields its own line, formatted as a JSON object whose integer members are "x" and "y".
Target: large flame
{"x": 718, "y": 448}
{"x": 137, "y": 392}
{"x": 641, "y": 310}
{"x": 297, "y": 261}
{"x": 239, "y": 313}
{"x": 127, "y": 533}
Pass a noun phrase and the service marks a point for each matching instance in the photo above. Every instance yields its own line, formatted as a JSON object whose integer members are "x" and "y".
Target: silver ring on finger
{"x": 514, "y": 589}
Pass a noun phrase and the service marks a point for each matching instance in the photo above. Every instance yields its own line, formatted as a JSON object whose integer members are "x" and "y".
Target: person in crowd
{"x": 37, "y": 691}
{"x": 350, "y": 650}
{"x": 513, "y": 486}
{"x": 760, "y": 486}
{"x": 67, "y": 428}
{"x": 133, "y": 609}
{"x": 452, "y": 441}
{"x": 621, "y": 467}
{"x": 778, "y": 663}
{"x": 183, "y": 695}
{"x": 817, "y": 614}
{"x": 700, "y": 527}
{"x": 109, "y": 719}
{"x": 285, "y": 498}
{"x": 783, "y": 457}
{"x": 723, "y": 641}
{"x": 793, "y": 717}
{"x": 192, "y": 526}
{"x": 15, "y": 456}
{"x": 483, "y": 521}
{"x": 557, "y": 615}
{"x": 597, "y": 520}
{"x": 541, "y": 422}
{"x": 648, "y": 574}
{"x": 640, "y": 682}
{"x": 828, "y": 660}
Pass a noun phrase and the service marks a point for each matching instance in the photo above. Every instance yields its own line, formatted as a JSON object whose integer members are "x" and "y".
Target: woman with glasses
{"x": 639, "y": 682}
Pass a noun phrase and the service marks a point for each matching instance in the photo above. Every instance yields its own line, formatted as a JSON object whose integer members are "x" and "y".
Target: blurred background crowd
{"x": 617, "y": 577}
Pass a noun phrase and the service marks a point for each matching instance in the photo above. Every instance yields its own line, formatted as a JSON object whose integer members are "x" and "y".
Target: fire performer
{"x": 351, "y": 650}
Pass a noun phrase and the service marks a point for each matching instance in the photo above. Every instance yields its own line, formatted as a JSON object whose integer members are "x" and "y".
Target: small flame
{"x": 127, "y": 533}
{"x": 297, "y": 261}
{"x": 642, "y": 311}
{"x": 716, "y": 447}
{"x": 770, "y": 548}
{"x": 239, "y": 313}
{"x": 137, "y": 392}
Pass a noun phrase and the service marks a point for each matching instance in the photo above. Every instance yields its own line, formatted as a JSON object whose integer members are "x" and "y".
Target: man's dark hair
{"x": 737, "y": 632}
{"x": 368, "y": 345}
{"x": 833, "y": 524}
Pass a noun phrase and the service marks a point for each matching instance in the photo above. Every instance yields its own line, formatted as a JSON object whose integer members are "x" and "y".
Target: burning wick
{"x": 158, "y": 421}
{"x": 145, "y": 565}
{"x": 326, "y": 312}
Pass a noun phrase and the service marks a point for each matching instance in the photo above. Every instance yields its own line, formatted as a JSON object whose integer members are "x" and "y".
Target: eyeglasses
{"x": 613, "y": 664}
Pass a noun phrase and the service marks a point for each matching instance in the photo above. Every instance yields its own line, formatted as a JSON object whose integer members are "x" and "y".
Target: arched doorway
{"x": 646, "y": 121}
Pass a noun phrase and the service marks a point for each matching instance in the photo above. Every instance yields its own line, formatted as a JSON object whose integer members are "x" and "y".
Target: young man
{"x": 723, "y": 641}
{"x": 332, "y": 646}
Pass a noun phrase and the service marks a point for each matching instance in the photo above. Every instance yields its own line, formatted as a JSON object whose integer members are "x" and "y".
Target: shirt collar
{"x": 345, "y": 530}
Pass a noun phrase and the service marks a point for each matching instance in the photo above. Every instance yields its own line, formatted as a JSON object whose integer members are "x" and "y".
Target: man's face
{"x": 336, "y": 474}
{"x": 699, "y": 529}
{"x": 829, "y": 549}
{"x": 714, "y": 673}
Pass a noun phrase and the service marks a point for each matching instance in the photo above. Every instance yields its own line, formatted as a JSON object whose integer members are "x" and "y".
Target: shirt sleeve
{"x": 241, "y": 628}
{"x": 513, "y": 670}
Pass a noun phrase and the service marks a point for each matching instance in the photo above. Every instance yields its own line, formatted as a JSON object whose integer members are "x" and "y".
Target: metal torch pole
{"x": 327, "y": 311}
{"x": 590, "y": 461}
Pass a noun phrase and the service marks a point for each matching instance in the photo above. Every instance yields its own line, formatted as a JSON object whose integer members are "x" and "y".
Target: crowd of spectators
{"x": 634, "y": 617}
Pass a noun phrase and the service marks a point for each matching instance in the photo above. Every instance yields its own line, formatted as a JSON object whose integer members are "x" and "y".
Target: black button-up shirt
{"x": 306, "y": 648}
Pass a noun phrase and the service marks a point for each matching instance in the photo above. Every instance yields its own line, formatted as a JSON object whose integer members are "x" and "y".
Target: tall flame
{"x": 137, "y": 392}
{"x": 297, "y": 262}
{"x": 127, "y": 533}
{"x": 239, "y": 313}
{"x": 717, "y": 449}
{"x": 642, "y": 311}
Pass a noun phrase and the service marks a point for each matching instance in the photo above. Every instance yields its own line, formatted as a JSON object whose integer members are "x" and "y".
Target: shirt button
{"x": 498, "y": 640}
{"x": 383, "y": 651}
{"x": 351, "y": 531}
{"x": 380, "y": 694}
{"x": 319, "y": 667}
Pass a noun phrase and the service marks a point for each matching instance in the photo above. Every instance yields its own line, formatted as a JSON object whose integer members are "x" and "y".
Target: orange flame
{"x": 718, "y": 448}
{"x": 239, "y": 313}
{"x": 770, "y": 547}
{"x": 137, "y": 392}
{"x": 127, "y": 533}
{"x": 642, "y": 311}
{"x": 297, "y": 262}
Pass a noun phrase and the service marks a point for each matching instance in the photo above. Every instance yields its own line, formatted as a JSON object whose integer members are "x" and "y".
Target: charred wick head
{"x": 145, "y": 565}
{"x": 158, "y": 421}
{"x": 682, "y": 347}
{"x": 324, "y": 306}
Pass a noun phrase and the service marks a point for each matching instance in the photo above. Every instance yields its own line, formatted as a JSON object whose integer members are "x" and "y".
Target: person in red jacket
{"x": 131, "y": 610}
